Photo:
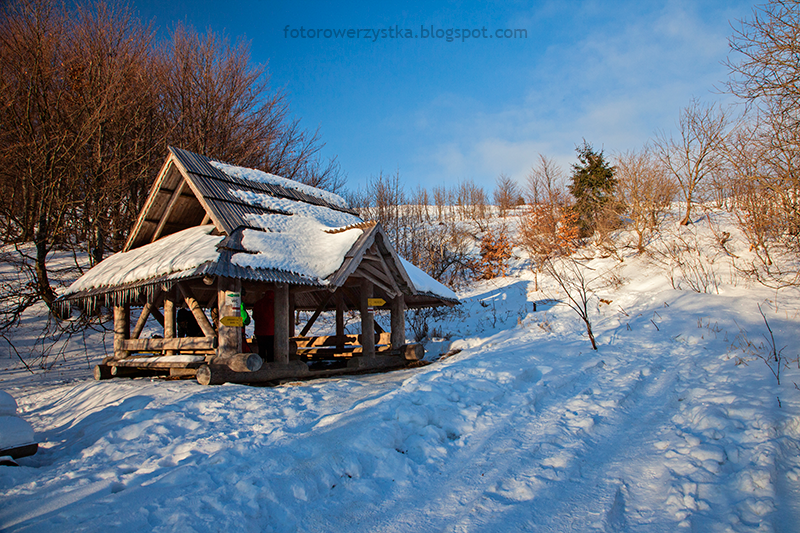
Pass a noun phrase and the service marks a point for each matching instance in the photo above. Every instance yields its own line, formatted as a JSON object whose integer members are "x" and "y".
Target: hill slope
{"x": 526, "y": 428}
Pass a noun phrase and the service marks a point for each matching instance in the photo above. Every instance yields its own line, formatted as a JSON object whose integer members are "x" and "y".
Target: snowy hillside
{"x": 668, "y": 426}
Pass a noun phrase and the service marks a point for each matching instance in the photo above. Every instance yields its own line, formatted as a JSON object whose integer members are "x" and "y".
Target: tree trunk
{"x": 591, "y": 335}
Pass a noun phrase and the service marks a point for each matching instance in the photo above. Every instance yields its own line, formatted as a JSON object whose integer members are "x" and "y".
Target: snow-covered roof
{"x": 426, "y": 284}
{"x": 263, "y": 228}
{"x": 179, "y": 252}
{"x": 260, "y": 176}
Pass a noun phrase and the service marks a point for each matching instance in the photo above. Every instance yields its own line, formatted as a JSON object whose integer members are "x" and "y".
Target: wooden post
{"x": 339, "y": 320}
{"x": 291, "y": 314}
{"x": 169, "y": 317}
{"x": 122, "y": 330}
{"x": 230, "y": 337}
{"x": 367, "y": 319}
{"x": 282, "y": 318}
{"x": 398, "y": 321}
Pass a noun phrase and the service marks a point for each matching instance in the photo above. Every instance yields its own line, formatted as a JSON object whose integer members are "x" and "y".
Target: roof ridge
{"x": 359, "y": 225}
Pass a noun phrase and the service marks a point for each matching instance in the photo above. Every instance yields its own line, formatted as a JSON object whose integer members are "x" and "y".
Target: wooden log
{"x": 340, "y": 319}
{"x": 398, "y": 320}
{"x": 122, "y": 327}
{"x": 169, "y": 317}
{"x": 291, "y": 331}
{"x": 239, "y": 362}
{"x": 367, "y": 319}
{"x": 219, "y": 374}
{"x": 137, "y": 372}
{"x": 182, "y": 372}
{"x": 282, "y": 318}
{"x": 146, "y": 311}
{"x": 154, "y": 363}
{"x": 102, "y": 372}
{"x": 412, "y": 352}
{"x": 176, "y": 344}
{"x": 230, "y": 337}
{"x": 155, "y": 313}
{"x": 379, "y": 338}
{"x": 197, "y": 311}
{"x": 347, "y": 351}
{"x": 376, "y": 362}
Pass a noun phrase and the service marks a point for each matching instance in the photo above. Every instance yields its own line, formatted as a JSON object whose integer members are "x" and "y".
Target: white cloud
{"x": 615, "y": 84}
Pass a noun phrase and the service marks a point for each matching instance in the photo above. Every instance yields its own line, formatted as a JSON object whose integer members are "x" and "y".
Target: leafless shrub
{"x": 766, "y": 350}
{"x": 687, "y": 264}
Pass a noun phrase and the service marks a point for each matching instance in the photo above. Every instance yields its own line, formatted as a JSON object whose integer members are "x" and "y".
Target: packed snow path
{"x": 663, "y": 429}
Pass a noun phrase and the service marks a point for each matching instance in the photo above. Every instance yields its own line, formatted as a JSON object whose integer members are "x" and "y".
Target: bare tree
{"x": 645, "y": 191}
{"x": 470, "y": 200}
{"x": 763, "y": 66}
{"x": 697, "y": 152}
{"x": 77, "y": 112}
{"x": 87, "y": 106}
{"x": 217, "y": 103}
{"x": 506, "y": 194}
{"x": 570, "y": 276}
{"x": 765, "y": 72}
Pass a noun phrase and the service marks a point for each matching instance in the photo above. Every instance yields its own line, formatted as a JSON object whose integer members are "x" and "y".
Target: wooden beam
{"x": 169, "y": 316}
{"x": 122, "y": 330}
{"x": 155, "y": 313}
{"x": 282, "y": 323}
{"x": 179, "y": 343}
{"x": 315, "y": 316}
{"x": 230, "y": 337}
{"x": 291, "y": 314}
{"x": 200, "y": 198}
{"x": 146, "y": 311}
{"x": 373, "y": 280}
{"x": 132, "y": 362}
{"x": 197, "y": 311}
{"x": 367, "y": 319}
{"x": 398, "y": 327}
{"x": 389, "y": 274}
{"x": 340, "y": 319}
{"x": 166, "y": 168}
{"x": 388, "y": 283}
{"x": 176, "y": 194}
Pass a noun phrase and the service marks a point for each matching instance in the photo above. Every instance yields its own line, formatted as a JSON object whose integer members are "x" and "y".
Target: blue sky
{"x": 612, "y": 72}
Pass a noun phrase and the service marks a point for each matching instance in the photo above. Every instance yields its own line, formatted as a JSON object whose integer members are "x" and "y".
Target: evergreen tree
{"x": 593, "y": 186}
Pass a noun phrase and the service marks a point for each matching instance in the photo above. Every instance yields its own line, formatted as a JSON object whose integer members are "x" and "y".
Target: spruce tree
{"x": 593, "y": 186}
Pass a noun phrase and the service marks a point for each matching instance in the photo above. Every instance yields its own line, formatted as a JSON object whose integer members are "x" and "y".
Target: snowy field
{"x": 668, "y": 426}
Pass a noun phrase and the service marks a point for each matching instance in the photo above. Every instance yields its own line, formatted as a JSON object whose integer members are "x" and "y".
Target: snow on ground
{"x": 526, "y": 428}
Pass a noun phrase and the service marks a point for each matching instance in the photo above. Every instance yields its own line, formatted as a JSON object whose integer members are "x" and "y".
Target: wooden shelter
{"x": 213, "y": 238}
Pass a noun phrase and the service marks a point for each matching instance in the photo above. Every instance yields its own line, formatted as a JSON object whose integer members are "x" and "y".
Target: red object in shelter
{"x": 264, "y": 314}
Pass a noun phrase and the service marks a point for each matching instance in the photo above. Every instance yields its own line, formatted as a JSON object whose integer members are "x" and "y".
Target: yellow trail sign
{"x": 375, "y": 302}
{"x": 231, "y": 321}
